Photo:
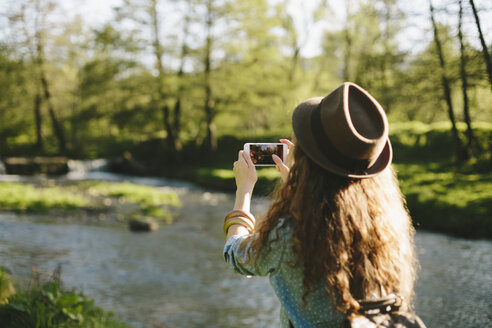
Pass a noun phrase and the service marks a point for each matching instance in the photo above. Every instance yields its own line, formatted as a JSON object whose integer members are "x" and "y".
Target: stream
{"x": 176, "y": 277}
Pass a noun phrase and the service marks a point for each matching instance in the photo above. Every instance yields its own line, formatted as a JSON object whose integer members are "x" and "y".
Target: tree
{"x": 209, "y": 104}
{"x": 14, "y": 78}
{"x": 464, "y": 83}
{"x": 485, "y": 51}
{"x": 367, "y": 48}
{"x": 446, "y": 88}
{"x": 149, "y": 21}
{"x": 31, "y": 18}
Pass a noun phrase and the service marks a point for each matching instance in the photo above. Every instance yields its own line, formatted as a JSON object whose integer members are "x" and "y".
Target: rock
{"x": 144, "y": 224}
{"x": 36, "y": 165}
{"x": 127, "y": 164}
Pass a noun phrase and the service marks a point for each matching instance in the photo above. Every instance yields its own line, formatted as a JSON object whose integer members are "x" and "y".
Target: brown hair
{"x": 355, "y": 234}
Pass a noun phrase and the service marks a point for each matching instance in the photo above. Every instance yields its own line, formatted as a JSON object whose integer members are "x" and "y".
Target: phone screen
{"x": 261, "y": 154}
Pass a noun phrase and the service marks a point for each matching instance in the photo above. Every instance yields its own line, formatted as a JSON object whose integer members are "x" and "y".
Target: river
{"x": 176, "y": 277}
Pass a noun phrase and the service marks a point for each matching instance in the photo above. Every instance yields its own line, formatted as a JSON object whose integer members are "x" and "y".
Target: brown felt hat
{"x": 345, "y": 132}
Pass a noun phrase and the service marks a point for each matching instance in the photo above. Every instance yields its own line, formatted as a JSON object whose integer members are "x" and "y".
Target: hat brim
{"x": 301, "y": 124}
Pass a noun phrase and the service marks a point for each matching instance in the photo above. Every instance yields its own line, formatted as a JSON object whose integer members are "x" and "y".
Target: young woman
{"x": 337, "y": 230}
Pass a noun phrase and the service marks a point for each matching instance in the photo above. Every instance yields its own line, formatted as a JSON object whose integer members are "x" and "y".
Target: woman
{"x": 337, "y": 230}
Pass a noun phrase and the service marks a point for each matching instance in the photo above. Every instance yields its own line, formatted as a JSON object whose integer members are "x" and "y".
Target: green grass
{"x": 88, "y": 195}
{"x": 150, "y": 199}
{"x": 131, "y": 192}
{"x": 16, "y": 196}
{"x": 440, "y": 195}
{"x": 223, "y": 179}
{"x": 448, "y": 201}
{"x": 49, "y": 306}
{"x": 6, "y": 286}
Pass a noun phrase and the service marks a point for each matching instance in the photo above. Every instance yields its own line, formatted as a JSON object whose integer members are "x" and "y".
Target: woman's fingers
{"x": 245, "y": 172}
{"x": 247, "y": 159}
{"x": 281, "y": 167}
{"x": 278, "y": 161}
{"x": 287, "y": 142}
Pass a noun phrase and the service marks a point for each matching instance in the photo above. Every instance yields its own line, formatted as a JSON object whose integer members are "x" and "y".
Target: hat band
{"x": 324, "y": 144}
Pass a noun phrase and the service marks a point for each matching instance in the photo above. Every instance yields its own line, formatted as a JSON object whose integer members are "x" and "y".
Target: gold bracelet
{"x": 240, "y": 213}
{"x": 240, "y": 221}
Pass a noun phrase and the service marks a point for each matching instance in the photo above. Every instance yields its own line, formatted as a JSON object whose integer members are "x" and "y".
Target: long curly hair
{"x": 354, "y": 234}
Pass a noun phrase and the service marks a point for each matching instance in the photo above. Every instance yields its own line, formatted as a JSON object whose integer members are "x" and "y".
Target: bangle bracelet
{"x": 240, "y": 221}
{"x": 240, "y": 213}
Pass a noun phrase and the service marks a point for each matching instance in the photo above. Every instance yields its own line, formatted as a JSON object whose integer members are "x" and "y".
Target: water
{"x": 176, "y": 277}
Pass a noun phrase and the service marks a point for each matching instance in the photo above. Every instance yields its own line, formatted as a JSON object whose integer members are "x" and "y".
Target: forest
{"x": 174, "y": 88}
{"x": 171, "y": 90}
{"x": 187, "y": 72}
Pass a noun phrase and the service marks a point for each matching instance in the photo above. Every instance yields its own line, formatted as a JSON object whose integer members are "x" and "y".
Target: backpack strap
{"x": 386, "y": 304}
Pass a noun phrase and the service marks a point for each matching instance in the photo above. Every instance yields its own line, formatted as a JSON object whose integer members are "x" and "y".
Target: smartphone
{"x": 261, "y": 153}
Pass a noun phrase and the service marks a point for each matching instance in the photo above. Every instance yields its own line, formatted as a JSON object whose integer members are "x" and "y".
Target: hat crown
{"x": 354, "y": 122}
{"x": 345, "y": 132}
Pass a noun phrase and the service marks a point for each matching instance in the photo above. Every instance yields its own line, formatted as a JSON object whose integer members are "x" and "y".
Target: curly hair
{"x": 354, "y": 234}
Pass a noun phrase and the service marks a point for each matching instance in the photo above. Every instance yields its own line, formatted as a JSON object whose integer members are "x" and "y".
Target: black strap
{"x": 387, "y": 304}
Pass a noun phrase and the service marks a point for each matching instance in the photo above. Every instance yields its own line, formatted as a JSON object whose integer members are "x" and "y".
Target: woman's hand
{"x": 245, "y": 173}
{"x": 282, "y": 167}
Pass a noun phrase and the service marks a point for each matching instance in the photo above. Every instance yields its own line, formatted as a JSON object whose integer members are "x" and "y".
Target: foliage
{"x": 88, "y": 195}
{"x": 448, "y": 201}
{"x": 49, "y": 306}
{"x": 108, "y": 93}
{"x": 23, "y": 197}
{"x": 150, "y": 199}
{"x": 6, "y": 286}
{"x": 440, "y": 196}
{"x": 223, "y": 179}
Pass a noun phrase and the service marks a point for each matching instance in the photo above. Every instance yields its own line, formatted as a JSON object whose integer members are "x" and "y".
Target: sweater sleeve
{"x": 242, "y": 261}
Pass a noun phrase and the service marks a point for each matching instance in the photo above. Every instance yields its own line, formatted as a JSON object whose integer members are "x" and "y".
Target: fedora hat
{"x": 345, "y": 132}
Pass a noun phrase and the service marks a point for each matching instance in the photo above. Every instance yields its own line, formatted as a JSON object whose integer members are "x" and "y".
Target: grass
{"x": 21, "y": 197}
{"x": 48, "y": 306}
{"x": 6, "y": 286}
{"x": 151, "y": 201}
{"x": 94, "y": 196}
{"x": 440, "y": 200}
{"x": 448, "y": 201}
{"x": 441, "y": 196}
{"x": 223, "y": 179}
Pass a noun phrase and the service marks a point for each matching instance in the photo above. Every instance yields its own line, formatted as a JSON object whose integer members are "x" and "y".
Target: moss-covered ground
{"x": 441, "y": 195}
{"x": 97, "y": 198}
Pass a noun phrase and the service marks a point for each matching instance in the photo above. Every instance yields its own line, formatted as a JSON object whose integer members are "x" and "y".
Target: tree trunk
{"x": 176, "y": 127}
{"x": 167, "y": 124}
{"x": 294, "y": 61}
{"x": 57, "y": 127}
{"x": 446, "y": 89}
{"x": 347, "y": 51}
{"x": 171, "y": 138}
{"x": 386, "y": 99}
{"x": 38, "y": 119}
{"x": 464, "y": 85}
{"x": 209, "y": 105}
{"x": 485, "y": 50}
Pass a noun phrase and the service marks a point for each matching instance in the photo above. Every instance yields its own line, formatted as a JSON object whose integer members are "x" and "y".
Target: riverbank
{"x": 441, "y": 196}
{"x": 451, "y": 202}
{"x": 176, "y": 277}
{"x": 47, "y": 305}
{"x": 89, "y": 200}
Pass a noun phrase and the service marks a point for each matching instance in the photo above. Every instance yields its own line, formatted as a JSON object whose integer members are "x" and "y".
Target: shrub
{"x": 48, "y": 307}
